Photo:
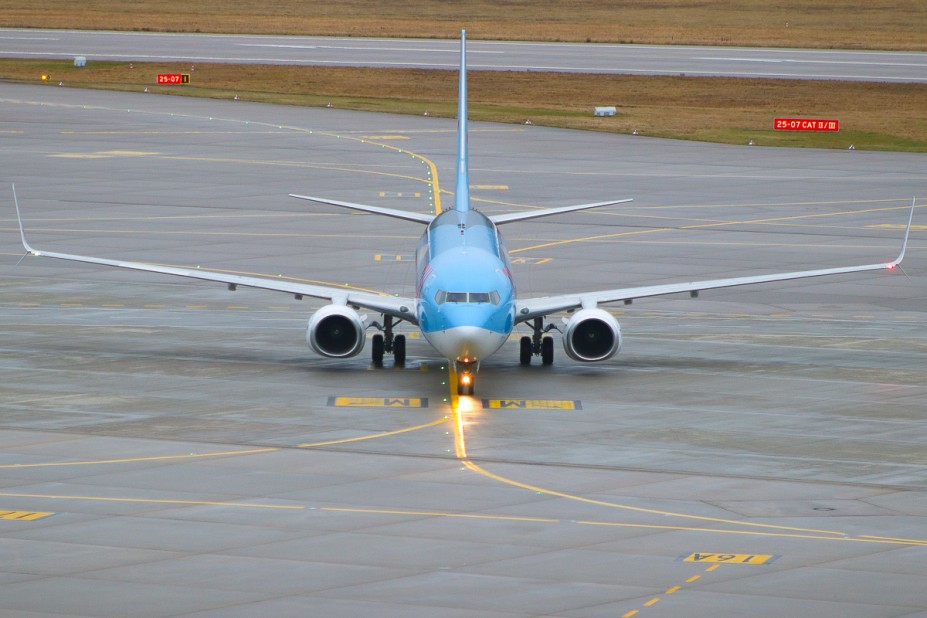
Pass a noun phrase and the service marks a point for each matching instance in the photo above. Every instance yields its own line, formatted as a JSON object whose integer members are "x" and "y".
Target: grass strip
{"x": 873, "y": 116}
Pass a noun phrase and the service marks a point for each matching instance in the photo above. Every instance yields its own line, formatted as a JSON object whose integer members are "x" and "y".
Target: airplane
{"x": 465, "y": 303}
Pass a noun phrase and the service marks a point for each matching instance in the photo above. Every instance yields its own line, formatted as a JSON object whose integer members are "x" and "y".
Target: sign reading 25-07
{"x": 171, "y": 79}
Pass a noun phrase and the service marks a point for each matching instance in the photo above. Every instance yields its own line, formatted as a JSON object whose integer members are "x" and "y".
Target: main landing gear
{"x": 388, "y": 343}
{"x": 537, "y": 344}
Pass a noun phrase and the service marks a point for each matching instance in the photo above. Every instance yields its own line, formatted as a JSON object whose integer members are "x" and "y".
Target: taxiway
{"x": 170, "y": 448}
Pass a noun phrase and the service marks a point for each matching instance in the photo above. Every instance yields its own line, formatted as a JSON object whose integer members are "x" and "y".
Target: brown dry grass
{"x": 872, "y": 115}
{"x": 870, "y": 24}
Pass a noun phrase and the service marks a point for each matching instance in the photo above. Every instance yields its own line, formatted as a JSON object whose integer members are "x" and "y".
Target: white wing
{"x": 397, "y": 306}
{"x": 538, "y": 307}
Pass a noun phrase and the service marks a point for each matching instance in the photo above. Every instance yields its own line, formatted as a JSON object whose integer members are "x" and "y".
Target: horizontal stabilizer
{"x": 546, "y": 212}
{"x": 377, "y": 210}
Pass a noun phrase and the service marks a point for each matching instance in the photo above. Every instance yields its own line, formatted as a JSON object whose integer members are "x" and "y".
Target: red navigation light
{"x": 890, "y": 266}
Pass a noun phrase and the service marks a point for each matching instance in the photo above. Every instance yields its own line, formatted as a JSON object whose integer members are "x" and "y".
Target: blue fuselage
{"x": 466, "y": 297}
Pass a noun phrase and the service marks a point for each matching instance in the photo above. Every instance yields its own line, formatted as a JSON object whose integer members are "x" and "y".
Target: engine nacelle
{"x": 591, "y": 335}
{"x": 336, "y": 331}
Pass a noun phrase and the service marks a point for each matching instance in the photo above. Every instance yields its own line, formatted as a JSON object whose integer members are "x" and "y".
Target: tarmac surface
{"x": 169, "y": 448}
{"x": 856, "y": 65}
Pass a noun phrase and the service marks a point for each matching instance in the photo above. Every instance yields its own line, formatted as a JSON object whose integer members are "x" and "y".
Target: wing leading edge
{"x": 396, "y": 306}
{"x": 539, "y": 307}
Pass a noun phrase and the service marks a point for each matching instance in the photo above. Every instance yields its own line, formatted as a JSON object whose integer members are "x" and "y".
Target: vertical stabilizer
{"x": 462, "y": 190}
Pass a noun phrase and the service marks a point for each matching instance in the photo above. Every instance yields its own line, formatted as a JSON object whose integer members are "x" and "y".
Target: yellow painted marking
{"x": 712, "y": 568}
{"x": 378, "y": 402}
{"x": 70, "y": 305}
{"x": 544, "y": 520}
{"x": 906, "y": 542}
{"x": 673, "y": 589}
{"x": 138, "y": 459}
{"x": 237, "y": 307}
{"x": 197, "y": 306}
{"x": 531, "y": 260}
{"x": 255, "y": 505}
{"x": 633, "y": 612}
{"x": 731, "y": 558}
{"x": 712, "y": 224}
{"x": 752, "y": 528}
{"x": 491, "y": 187}
{"x": 219, "y": 453}
{"x": 651, "y": 601}
{"x": 106, "y": 154}
{"x": 128, "y": 132}
{"x": 24, "y": 515}
{"x": 531, "y": 404}
{"x": 374, "y": 436}
{"x": 385, "y": 137}
{"x": 113, "y": 305}
{"x": 897, "y": 226}
{"x": 693, "y": 578}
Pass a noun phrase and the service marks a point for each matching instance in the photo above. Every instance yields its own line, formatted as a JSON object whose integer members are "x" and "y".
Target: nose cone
{"x": 466, "y": 343}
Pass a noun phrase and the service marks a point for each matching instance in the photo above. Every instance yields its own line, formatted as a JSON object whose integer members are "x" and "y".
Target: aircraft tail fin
{"x": 462, "y": 189}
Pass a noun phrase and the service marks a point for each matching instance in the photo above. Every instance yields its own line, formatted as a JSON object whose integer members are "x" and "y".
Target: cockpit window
{"x": 444, "y": 296}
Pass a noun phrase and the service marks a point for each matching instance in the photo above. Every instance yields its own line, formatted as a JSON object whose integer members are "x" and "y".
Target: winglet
{"x": 462, "y": 189}
{"x": 904, "y": 243}
{"x": 22, "y": 232}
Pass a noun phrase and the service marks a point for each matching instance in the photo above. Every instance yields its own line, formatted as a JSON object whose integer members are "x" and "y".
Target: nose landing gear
{"x": 466, "y": 376}
{"x": 465, "y": 384}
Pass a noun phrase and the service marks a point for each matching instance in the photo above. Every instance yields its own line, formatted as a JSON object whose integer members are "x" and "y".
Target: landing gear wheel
{"x": 547, "y": 350}
{"x": 525, "y": 352}
{"x": 465, "y": 379}
{"x": 465, "y": 389}
{"x": 399, "y": 350}
{"x": 377, "y": 349}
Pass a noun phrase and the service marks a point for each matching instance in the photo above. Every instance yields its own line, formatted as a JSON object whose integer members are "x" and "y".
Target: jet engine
{"x": 591, "y": 335}
{"x": 336, "y": 331}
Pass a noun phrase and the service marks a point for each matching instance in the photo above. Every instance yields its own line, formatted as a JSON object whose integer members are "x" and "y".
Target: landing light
{"x": 466, "y": 379}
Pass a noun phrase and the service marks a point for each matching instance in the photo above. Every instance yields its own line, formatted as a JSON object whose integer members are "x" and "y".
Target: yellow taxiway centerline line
{"x": 156, "y": 501}
{"x": 786, "y": 531}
